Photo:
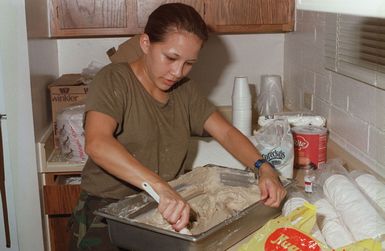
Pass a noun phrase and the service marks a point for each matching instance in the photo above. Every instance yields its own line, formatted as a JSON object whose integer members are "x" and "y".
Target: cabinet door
{"x": 90, "y": 17}
{"x": 73, "y": 18}
{"x": 145, "y": 7}
{"x": 60, "y": 200}
{"x": 247, "y": 16}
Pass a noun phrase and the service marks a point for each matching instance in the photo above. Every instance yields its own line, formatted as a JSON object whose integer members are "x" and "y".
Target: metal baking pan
{"x": 129, "y": 234}
{"x": 132, "y": 235}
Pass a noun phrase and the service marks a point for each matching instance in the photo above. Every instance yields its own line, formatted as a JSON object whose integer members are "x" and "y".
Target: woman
{"x": 139, "y": 118}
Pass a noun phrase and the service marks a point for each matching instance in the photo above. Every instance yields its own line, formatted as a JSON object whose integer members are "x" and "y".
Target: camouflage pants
{"x": 89, "y": 231}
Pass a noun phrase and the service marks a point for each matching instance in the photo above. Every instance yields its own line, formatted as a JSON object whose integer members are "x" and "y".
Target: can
{"x": 310, "y": 146}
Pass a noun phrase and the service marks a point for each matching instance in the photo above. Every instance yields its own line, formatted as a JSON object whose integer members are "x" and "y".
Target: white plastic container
{"x": 270, "y": 98}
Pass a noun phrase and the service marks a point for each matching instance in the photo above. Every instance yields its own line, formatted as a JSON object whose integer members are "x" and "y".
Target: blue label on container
{"x": 275, "y": 156}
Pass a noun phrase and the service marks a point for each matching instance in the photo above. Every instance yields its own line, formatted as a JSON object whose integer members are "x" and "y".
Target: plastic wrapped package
{"x": 71, "y": 133}
{"x": 358, "y": 214}
{"x": 329, "y": 228}
{"x": 275, "y": 143}
{"x": 356, "y": 211}
{"x": 294, "y": 118}
{"x": 372, "y": 187}
{"x": 332, "y": 227}
{"x": 270, "y": 97}
{"x": 90, "y": 71}
{"x": 292, "y": 203}
{"x": 296, "y": 200}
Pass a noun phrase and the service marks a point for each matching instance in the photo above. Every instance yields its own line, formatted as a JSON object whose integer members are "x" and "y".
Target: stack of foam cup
{"x": 241, "y": 104}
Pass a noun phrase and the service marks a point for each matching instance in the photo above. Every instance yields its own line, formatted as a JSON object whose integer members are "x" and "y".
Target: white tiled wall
{"x": 355, "y": 111}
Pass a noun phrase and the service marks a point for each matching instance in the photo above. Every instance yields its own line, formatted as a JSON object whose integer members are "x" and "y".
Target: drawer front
{"x": 60, "y": 199}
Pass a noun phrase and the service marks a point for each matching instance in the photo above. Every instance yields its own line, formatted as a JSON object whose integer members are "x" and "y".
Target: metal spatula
{"x": 236, "y": 177}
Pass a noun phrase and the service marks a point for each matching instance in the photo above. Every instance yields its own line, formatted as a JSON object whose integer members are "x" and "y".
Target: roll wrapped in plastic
{"x": 373, "y": 188}
{"x": 357, "y": 213}
{"x": 295, "y": 202}
{"x": 332, "y": 228}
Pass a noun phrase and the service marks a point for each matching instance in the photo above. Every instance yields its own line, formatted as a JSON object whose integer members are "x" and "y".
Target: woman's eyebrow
{"x": 175, "y": 54}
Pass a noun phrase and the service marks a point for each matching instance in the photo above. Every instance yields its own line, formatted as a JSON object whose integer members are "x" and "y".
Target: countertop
{"x": 334, "y": 151}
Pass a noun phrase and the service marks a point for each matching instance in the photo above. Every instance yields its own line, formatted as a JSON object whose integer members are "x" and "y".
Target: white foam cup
{"x": 242, "y": 121}
{"x": 241, "y": 104}
{"x": 241, "y": 87}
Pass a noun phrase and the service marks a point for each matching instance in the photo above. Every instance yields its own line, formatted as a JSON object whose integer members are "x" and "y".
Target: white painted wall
{"x": 222, "y": 58}
{"x": 44, "y": 70}
{"x": 20, "y": 133}
{"x": 355, "y": 111}
{"x": 368, "y": 8}
{"x": 43, "y": 62}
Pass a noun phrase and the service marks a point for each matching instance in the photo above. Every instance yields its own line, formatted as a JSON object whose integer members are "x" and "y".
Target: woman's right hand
{"x": 173, "y": 207}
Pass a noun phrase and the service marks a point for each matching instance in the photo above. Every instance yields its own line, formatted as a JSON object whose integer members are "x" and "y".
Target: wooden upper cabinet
{"x": 73, "y": 18}
{"x": 249, "y": 16}
{"x": 145, "y": 7}
{"x": 87, "y": 18}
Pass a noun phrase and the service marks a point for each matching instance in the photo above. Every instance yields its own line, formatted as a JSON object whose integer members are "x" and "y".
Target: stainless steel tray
{"x": 129, "y": 234}
{"x": 132, "y": 235}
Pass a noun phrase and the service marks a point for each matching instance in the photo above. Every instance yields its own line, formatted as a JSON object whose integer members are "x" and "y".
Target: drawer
{"x": 60, "y": 198}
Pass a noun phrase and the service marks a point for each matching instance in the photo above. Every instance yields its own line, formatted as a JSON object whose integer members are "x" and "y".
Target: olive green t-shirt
{"x": 156, "y": 134}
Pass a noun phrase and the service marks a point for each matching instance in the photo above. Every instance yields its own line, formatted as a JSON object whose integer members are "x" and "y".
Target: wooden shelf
{"x": 50, "y": 159}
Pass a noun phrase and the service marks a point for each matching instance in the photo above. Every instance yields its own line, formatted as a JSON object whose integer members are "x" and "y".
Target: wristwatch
{"x": 260, "y": 162}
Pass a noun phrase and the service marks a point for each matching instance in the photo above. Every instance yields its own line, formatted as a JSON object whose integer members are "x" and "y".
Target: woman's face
{"x": 170, "y": 60}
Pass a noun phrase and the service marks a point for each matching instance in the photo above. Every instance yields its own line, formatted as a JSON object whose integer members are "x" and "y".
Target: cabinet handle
{"x": 2, "y": 189}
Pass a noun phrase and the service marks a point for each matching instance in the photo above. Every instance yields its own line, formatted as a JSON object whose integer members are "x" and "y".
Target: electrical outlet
{"x": 308, "y": 101}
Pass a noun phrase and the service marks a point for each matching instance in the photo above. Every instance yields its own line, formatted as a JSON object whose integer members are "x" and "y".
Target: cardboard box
{"x": 128, "y": 51}
{"x": 65, "y": 91}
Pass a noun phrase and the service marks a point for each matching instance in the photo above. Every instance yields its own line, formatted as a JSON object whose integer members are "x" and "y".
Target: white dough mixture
{"x": 207, "y": 194}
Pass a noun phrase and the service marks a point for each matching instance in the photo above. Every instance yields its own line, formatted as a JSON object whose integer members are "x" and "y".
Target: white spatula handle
{"x": 148, "y": 188}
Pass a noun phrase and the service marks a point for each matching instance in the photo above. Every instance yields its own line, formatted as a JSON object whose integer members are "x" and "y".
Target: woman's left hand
{"x": 240, "y": 147}
{"x": 272, "y": 191}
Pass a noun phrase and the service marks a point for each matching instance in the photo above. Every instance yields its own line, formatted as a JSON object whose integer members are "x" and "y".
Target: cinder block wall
{"x": 355, "y": 111}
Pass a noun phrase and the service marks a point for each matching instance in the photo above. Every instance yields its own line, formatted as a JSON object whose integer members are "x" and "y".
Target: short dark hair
{"x": 175, "y": 16}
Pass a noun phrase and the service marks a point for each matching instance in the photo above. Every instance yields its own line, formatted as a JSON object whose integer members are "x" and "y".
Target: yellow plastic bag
{"x": 292, "y": 233}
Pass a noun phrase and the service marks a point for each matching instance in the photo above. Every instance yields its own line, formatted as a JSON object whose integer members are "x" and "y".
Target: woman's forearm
{"x": 232, "y": 140}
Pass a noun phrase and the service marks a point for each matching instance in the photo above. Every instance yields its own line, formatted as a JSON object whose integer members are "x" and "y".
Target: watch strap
{"x": 260, "y": 162}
